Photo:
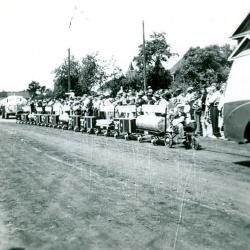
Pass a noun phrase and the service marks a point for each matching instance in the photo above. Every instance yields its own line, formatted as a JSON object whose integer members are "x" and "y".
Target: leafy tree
{"x": 203, "y": 66}
{"x": 43, "y": 92}
{"x": 156, "y": 49}
{"x": 131, "y": 80}
{"x": 113, "y": 85}
{"x": 92, "y": 73}
{"x": 3, "y": 94}
{"x": 157, "y": 52}
{"x": 33, "y": 88}
{"x": 49, "y": 93}
{"x": 159, "y": 77}
{"x": 61, "y": 78}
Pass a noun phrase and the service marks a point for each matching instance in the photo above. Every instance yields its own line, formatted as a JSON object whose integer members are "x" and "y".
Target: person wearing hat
{"x": 197, "y": 109}
{"x": 179, "y": 96}
{"x": 208, "y": 130}
{"x": 213, "y": 102}
{"x": 156, "y": 98}
{"x": 139, "y": 101}
{"x": 123, "y": 99}
{"x": 131, "y": 97}
{"x": 150, "y": 99}
{"x": 165, "y": 100}
{"x": 178, "y": 119}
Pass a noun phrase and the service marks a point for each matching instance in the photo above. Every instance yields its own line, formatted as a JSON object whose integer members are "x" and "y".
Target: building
{"x": 237, "y": 94}
{"x": 23, "y": 93}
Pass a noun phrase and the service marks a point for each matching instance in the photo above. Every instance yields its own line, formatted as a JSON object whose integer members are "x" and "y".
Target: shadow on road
{"x": 224, "y": 152}
{"x": 243, "y": 163}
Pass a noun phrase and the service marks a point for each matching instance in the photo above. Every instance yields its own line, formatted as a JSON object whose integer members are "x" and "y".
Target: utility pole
{"x": 144, "y": 60}
{"x": 69, "y": 87}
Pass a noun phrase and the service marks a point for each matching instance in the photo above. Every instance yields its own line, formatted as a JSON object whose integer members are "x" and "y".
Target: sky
{"x": 35, "y": 34}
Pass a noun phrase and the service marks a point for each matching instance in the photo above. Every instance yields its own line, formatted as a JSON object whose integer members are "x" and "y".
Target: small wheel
{"x": 126, "y": 137}
{"x": 139, "y": 139}
{"x": 64, "y": 127}
{"x": 154, "y": 142}
{"x": 90, "y": 131}
{"x": 195, "y": 144}
{"x": 188, "y": 142}
{"x": 76, "y": 129}
{"x": 170, "y": 142}
{"x": 98, "y": 132}
{"x": 116, "y": 135}
{"x": 106, "y": 133}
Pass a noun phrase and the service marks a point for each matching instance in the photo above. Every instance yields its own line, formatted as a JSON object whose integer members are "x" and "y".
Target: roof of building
{"x": 243, "y": 29}
{"x": 242, "y": 49}
{"x": 176, "y": 66}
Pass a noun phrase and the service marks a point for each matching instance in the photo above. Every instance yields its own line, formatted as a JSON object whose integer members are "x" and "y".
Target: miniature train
{"x": 147, "y": 123}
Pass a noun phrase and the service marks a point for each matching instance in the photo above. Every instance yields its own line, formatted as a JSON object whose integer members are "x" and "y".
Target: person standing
{"x": 220, "y": 108}
{"x": 197, "y": 109}
{"x": 214, "y": 111}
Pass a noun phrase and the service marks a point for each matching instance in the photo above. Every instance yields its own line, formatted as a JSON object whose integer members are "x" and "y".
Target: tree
{"x": 61, "y": 78}
{"x": 202, "y": 66}
{"x": 157, "y": 52}
{"x": 92, "y": 74}
{"x": 113, "y": 85}
{"x": 3, "y": 94}
{"x": 159, "y": 77}
{"x": 156, "y": 48}
{"x": 33, "y": 89}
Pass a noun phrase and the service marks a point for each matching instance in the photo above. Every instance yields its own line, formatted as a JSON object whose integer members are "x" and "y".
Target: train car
{"x": 88, "y": 124}
{"x": 125, "y": 121}
{"x": 152, "y": 124}
{"x": 45, "y": 118}
{"x": 54, "y": 117}
{"x": 64, "y": 118}
{"x": 237, "y": 94}
{"x": 38, "y": 116}
{"x": 23, "y": 118}
{"x": 105, "y": 125}
{"x": 75, "y": 122}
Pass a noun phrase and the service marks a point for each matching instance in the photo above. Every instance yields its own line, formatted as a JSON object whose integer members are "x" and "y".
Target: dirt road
{"x": 66, "y": 190}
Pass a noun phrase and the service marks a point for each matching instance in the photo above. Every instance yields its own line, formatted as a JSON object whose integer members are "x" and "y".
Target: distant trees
{"x": 92, "y": 73}
{"x": 33, "y": 87}
{"x": 61, "y": 78}
{"x": 199, "y": 67}
{"x": 84, "y": 76}
{"x": 35, "y": 90}
{"x": 157, "y": 52}
{"x": 3, "y": 94}
{"x": 202, "y": 66}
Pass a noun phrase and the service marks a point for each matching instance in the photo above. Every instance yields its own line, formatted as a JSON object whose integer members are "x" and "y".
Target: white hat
{"x": 180, "y": 105}
{"x": 190, "y": 88}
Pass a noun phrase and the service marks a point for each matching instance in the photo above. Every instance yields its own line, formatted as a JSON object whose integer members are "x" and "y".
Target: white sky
{"x": 35, "y": 35}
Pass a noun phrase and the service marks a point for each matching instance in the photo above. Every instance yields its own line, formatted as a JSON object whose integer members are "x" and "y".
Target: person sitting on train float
{"x": 180, "y": 120}
{"x": 177, "y": 120}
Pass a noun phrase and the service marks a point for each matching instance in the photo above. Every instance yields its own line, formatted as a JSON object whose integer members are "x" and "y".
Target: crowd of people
{"x": 204, "y": 106}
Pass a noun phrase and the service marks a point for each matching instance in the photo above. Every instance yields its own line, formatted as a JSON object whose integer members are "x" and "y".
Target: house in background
{"x": 237, "y": 94}
{"x": 23, "y": 93}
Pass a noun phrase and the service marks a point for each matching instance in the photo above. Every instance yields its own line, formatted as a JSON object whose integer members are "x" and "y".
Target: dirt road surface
{"x": 66, "y": 190}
